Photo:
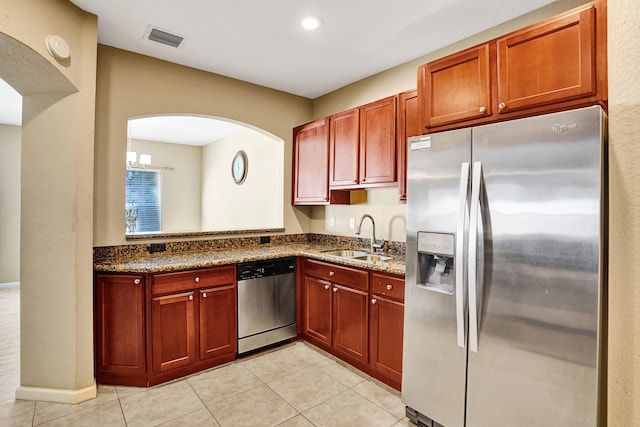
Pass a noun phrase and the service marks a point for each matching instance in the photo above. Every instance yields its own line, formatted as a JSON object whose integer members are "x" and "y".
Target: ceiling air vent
{"x": 165, "y": 38}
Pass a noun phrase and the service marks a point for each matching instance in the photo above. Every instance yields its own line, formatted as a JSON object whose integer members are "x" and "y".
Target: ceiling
{"x": 262, "y": 42}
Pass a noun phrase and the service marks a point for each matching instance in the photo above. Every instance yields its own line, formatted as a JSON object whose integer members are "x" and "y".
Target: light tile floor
{"x": 296, "y": 385}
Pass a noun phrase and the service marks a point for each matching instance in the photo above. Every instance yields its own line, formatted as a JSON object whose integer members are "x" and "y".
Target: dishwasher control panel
{"x": 274, "y": 267}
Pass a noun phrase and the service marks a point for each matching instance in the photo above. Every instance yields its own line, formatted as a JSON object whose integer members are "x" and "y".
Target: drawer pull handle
{"x": 335, "y": 289}
{"x": 373, "y": 300}
{"x": 197, "y": 280}
{"x": 204, "y": 295}
{"x": 190, "y": 297}
{"x": 331, "y": 273}
{"x": 326, "y": 286}
{"x": 389, "y": 286}
{"x": 136, "y": 281}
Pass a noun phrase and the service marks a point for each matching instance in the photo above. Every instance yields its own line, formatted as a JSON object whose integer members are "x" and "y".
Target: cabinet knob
{"x": 326, "y": 286}
{"x": 197, "y": 280}
{"x": 335, "y": 289}
{"x": 204, "y": 295}
{"x": 373, "y": 300}
{"x": 136, "y": 281}
{"x": 389, "y": 286}
{"x": 331, "y": 273}
{"x": 190, "y": 297}
{"x": 502, "y": 105}
{"x": 482, "y": 109}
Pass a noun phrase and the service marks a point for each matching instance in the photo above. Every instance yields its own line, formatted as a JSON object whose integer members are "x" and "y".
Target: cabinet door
{"x": 317, "y": 309}
{"x": 350, "y": 322}
{"x": 218, "y": 328}
{"x": 311, "y": 163}
{"x": 409, "y": 124}
{"x": 344, "y": 146}
{"x": 387, "y": 328}
{"x": 457, "y": 87}
{"x": 172, "y": 323}
{"x": 119, "y": 324}
{"x": 549, "y": 62}
{"x": 378, "y": 142}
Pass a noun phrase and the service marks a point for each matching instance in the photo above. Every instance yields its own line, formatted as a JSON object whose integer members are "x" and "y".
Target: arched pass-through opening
{"x": 214, "y": 175}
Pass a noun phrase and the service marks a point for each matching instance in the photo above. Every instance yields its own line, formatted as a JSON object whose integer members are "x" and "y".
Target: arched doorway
{"x": 10, "y": 130}
{"x": 55, "y": 221}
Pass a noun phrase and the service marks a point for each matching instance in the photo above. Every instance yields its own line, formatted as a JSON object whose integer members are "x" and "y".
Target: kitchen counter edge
{"x": 165, "y": 262}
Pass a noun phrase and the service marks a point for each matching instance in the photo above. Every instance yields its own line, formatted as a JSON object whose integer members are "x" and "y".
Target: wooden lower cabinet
{"x": 119, "y": 326}
{"x": 217, "y": 322}
{"x": 387, "y": 326}
{"x": 317, "y": 308}
{"x": 173, "y": 326}
{"x": 157, "y": 327}
{"x": 350, "y": 320}
{"x": 341, "y": 317}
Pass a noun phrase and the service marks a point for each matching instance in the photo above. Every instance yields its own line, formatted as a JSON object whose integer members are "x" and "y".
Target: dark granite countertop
{"x": 162, "y": 262}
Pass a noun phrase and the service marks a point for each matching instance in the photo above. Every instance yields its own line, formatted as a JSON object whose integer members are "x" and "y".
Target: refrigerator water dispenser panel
{"x": 435, "y": 262}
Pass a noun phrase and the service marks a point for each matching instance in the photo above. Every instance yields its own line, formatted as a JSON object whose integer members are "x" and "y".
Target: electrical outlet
{"x": 352, "y": 223}
{"x": 332, "y": 221}
{"x": 156, "y": 247}
{"x": 265, "y": 240}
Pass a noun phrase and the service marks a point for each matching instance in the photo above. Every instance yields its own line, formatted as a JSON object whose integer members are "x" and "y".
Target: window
{"x": 142, "y": 210}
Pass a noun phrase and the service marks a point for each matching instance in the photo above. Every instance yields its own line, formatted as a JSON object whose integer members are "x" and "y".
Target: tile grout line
{"x": 204, "y": 404}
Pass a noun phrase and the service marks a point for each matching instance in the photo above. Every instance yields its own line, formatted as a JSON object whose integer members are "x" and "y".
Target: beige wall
{"x": 131, "y": 85}
{"x": 57, "y": 174}
{"x": 255, "y": 204}
{"x": 9, "y": 203}
{"x": 624, "y": 213}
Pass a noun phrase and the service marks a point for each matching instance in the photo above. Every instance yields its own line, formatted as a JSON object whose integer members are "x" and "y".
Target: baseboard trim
{"x": 56, "y": 395}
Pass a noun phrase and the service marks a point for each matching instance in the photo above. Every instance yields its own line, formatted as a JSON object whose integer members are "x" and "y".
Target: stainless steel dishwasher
{"x": 266, "y": 303}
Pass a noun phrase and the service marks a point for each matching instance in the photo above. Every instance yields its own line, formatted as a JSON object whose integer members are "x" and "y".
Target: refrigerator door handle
{"x": 463, "y": 216}
{"x": 473, "y": 256}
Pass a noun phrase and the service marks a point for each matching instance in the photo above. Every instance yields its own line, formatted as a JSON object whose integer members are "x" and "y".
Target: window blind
{"x": 143, "y": 200}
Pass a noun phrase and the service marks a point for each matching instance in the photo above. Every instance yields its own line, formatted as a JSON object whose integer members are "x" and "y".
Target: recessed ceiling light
{"x": 311, "y": 22}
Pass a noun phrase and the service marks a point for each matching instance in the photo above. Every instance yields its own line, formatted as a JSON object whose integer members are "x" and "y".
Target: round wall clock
{"x": 239, "y": 167}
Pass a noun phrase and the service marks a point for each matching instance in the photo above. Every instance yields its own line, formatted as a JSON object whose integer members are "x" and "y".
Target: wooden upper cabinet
{"x": 311, "y": 163}
{"x": 378, "y": 142}
{"x": 554, "y": 65}
{"x": 548, "y": 62}
{"x": 362, "y": 149}
{"x": 344, "y": 149}
{"x": 456, "y": 88}
{"x": 409, "y": 124}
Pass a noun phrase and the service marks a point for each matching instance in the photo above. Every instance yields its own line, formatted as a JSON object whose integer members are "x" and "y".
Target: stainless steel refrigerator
{"x": 504, "y": 304}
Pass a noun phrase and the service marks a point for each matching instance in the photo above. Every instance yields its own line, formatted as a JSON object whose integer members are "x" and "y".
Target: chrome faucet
{"x": 374, "y": 246}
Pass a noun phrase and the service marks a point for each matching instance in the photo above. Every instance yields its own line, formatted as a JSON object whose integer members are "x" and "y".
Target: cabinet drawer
{"x": 337, "y": 274}
{"x": 392, "y": 287}
{"x": 184, "y": 280}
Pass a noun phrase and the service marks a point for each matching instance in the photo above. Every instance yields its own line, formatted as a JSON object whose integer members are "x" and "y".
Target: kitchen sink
{"x": 372, "y": 258}
{"x": 345, "y": 253}
{"x": 357, "y": 255}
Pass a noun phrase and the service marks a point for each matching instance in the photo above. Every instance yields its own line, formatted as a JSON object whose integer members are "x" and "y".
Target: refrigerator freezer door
{"x": 539, "y": 281}
{"x": 434, "y": 366}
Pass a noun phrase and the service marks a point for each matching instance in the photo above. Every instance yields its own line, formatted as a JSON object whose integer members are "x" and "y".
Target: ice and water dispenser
{"x": 435, "y": 262}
